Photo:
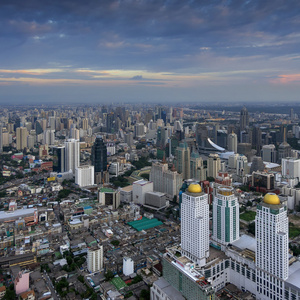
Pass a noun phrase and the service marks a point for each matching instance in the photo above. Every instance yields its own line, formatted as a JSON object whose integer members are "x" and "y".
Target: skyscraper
{"x": 232, "y": 142}
{"x": 269, "y": 153}
{"x": 72, "y": 155}
{"x": 271, "y": 258}
{"x": 226, "y": 224}
{"x": 99, "y": 159}
{"x": 95, "y": 259}
{"x": 213, "y": 165}
{"x": 183, "y": 160}
{"x": 21, "y": 136}
{"x": 59, "y": 159}
{"x": 244, "y": 119}
{"x": 195, "y": 224}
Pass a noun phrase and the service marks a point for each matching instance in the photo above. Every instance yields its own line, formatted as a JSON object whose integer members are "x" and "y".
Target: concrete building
{"x": 241, "y": 165}
{"x": 126, "y": 194}
{"x": 128, "y": 266}
{"x": 290, "y": 168}
{"x": 269, "y": 153}
{"x": 232, "y": 142}
{"x": 21, "y": 138}
{"x": 99, "y": 159}
{"x": 84, "y": 175}
{"x": 49, "y": 137}
{"x": 59, "y": 159}
{"x": 109, "y": 197}
{"x": 195, "y": 224}
{"x": 226, "y": 220}
{"x": 197, "y": 169}
{"x": 95, "y": 259}
{"x": 139, "y": 130}
{"x": 139, "y": 190}
{"x": 156, "y": 200}
{"x": 72, "y": 155}
{"x": 183, "y": 160}
{"x": 165, "y": 180}
{"x": 272, "y": 248}
{"x": 213, "y": 165}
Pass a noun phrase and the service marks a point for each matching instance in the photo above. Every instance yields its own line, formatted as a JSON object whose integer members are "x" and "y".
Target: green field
{"x": 248, "y": 216}
{"x": 118, "y": 283}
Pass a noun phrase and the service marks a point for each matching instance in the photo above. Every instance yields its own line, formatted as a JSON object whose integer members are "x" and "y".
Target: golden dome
{"x": 194, "y": 188}
{"x": 271, "y": 198}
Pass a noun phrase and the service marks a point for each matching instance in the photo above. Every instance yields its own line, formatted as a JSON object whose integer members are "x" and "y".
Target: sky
{"x": 151, "y": 51}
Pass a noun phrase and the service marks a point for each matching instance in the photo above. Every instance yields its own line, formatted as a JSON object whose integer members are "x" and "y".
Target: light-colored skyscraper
{"x": 95, "y": 259}
{"x": 269, "y": 153}
{"x": 195, "y": 224}
{"x": 241, "y": 165}
{"x": 72, "y": 155}
{"x": 271, "y": 258}
{"x": 213, "y": 165}
{"x": 226, "y": 220}
{"x": 49, "y": 137}
{"x": 244, "y": 119}
{"x": 21, "y": 136}
{"x": 232, "y": 142}
{"x": 183, "y": 160}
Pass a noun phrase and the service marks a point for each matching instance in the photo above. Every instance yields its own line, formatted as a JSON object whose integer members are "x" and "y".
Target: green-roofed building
{"x": 144, "y": 224}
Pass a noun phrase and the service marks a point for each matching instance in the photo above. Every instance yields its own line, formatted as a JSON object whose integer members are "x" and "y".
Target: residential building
{"x": 95, "y": 259}
{"x": 84, "y": 175}
{"x": 72, "y": 155}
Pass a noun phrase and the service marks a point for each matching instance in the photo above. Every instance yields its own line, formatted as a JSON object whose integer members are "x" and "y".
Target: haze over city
{"x": 141, "y": 51}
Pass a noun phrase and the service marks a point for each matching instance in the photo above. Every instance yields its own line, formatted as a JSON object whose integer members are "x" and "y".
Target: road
{"x": 50, "y": 286}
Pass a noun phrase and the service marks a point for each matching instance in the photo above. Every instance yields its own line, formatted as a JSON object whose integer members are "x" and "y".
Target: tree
{"x": 145, "y": 294}
{"x": 109, "y": 275}
{"x": 251, "y": 228}
{"x": 115, "y": 243}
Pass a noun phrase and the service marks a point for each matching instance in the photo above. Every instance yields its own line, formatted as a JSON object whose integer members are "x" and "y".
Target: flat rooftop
{"x": 144, "y": 224}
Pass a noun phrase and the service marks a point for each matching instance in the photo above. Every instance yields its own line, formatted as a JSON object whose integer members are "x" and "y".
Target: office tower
{"x": 269, "y": 153}
{"x": 109, "y": 197}
{"x": 213, "y": 165}
{"x": 85, "y": 124}
{"x": 38, "y": 127}
{"x": 232, "y": 142}
{"x": 256, "y": 139}
{"x": 165, "y": 180}
{"x": 72, "y": 155}
{"x": 99, "y": 159}
{"x": 49, "y": 137}
{"x": 226, "y": 220}
{"x": 139, "y": 190}
{"x": 232, "y": 161}
{"x": 128, "y": 138}
{"x": 21, "y": 137}
{"x": 183, "y": 160}
{"x": 84, "y": 175}
{"x": 30, "y": 141}
{"x": 221, "y": 138}
{"x": 257, "y": 164}
{"x": 51, "y": 123}
{"x": 284, "y": 149}
{"x": 139, "y": 130}
{"x": 241, "y": 165}
{"x": 95, "y": 259}
{"x": 197, "y": 169}
{"x": 110, "y": 123}
{"x": 271, "y": 257}
{"x": 195, "y": 224}
{"x": 244, "y": 119}
{"x": 59, "y": 159}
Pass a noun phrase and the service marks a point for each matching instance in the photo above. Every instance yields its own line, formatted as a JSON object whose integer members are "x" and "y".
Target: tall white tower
{"x": 72, "y": 155}
{"x": 232, "y": 142}
{"x": 95, "y": 258}
{"x": 195, "y": 224}
{"x": 226, "y": 220}
{"x": 271, "y": 258}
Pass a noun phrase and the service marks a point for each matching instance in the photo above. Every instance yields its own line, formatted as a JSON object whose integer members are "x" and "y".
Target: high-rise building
{"x": 226, "y": 222}
{"x": 59, "y": 159}
{"x": 49, "y": 137}
{"x": 1, "y": 139}
{"x": 197, "y": 169}
{"x": 195, "y": 224}
{"x": 128, "y": 138}
{"x": 21, "y": 137}
{"x": 99, "y": 159}
{"x": 72, "y": 155}
{"x": 241, "y": 165}
{"x": 232, "y": 142}
{"x": 183, "y": 160}
{"x": 290, "y": 167}
{"x": 284, "y": 149}
{"x": 95, "y": 259}
{"x": 139, "y": 130}
{"x": 244, "y": 119}
{"x": 213, "y": 165}
{"x": 165, "y": 180}
{"x": 269, "y": 153}
{"x": 85, "y": 124}
{"x": 84, "y": 175}
{"x": 256, "y": 139}
{"x": 272, "y": 248}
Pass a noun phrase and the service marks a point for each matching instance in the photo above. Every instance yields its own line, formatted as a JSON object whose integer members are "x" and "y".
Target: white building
{"x": 84, "y": 175}
{"x": 49, "y": 137}
{"x": 128, "y": 266}
{"x": 232, "y": 161}
{"x": 272, "y": 248}
{"x": 139, "y": 190}
{"x": 290, "y": 167}
{"x": 95, "y": 259}
{"x": 114, "y": 169}
{"x": 226, "y": 221}
{"x": 213, "y": 165}
{"x": 195, "y": 224}
{"x": 241, "y": 165}
{"x": 72, "y": 155}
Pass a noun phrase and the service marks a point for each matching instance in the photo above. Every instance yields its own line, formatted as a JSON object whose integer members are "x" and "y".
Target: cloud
{"x": 137, "y": 77}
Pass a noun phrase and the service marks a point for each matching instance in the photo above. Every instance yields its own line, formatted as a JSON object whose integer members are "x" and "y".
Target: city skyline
{"x": 143, "y": 51}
